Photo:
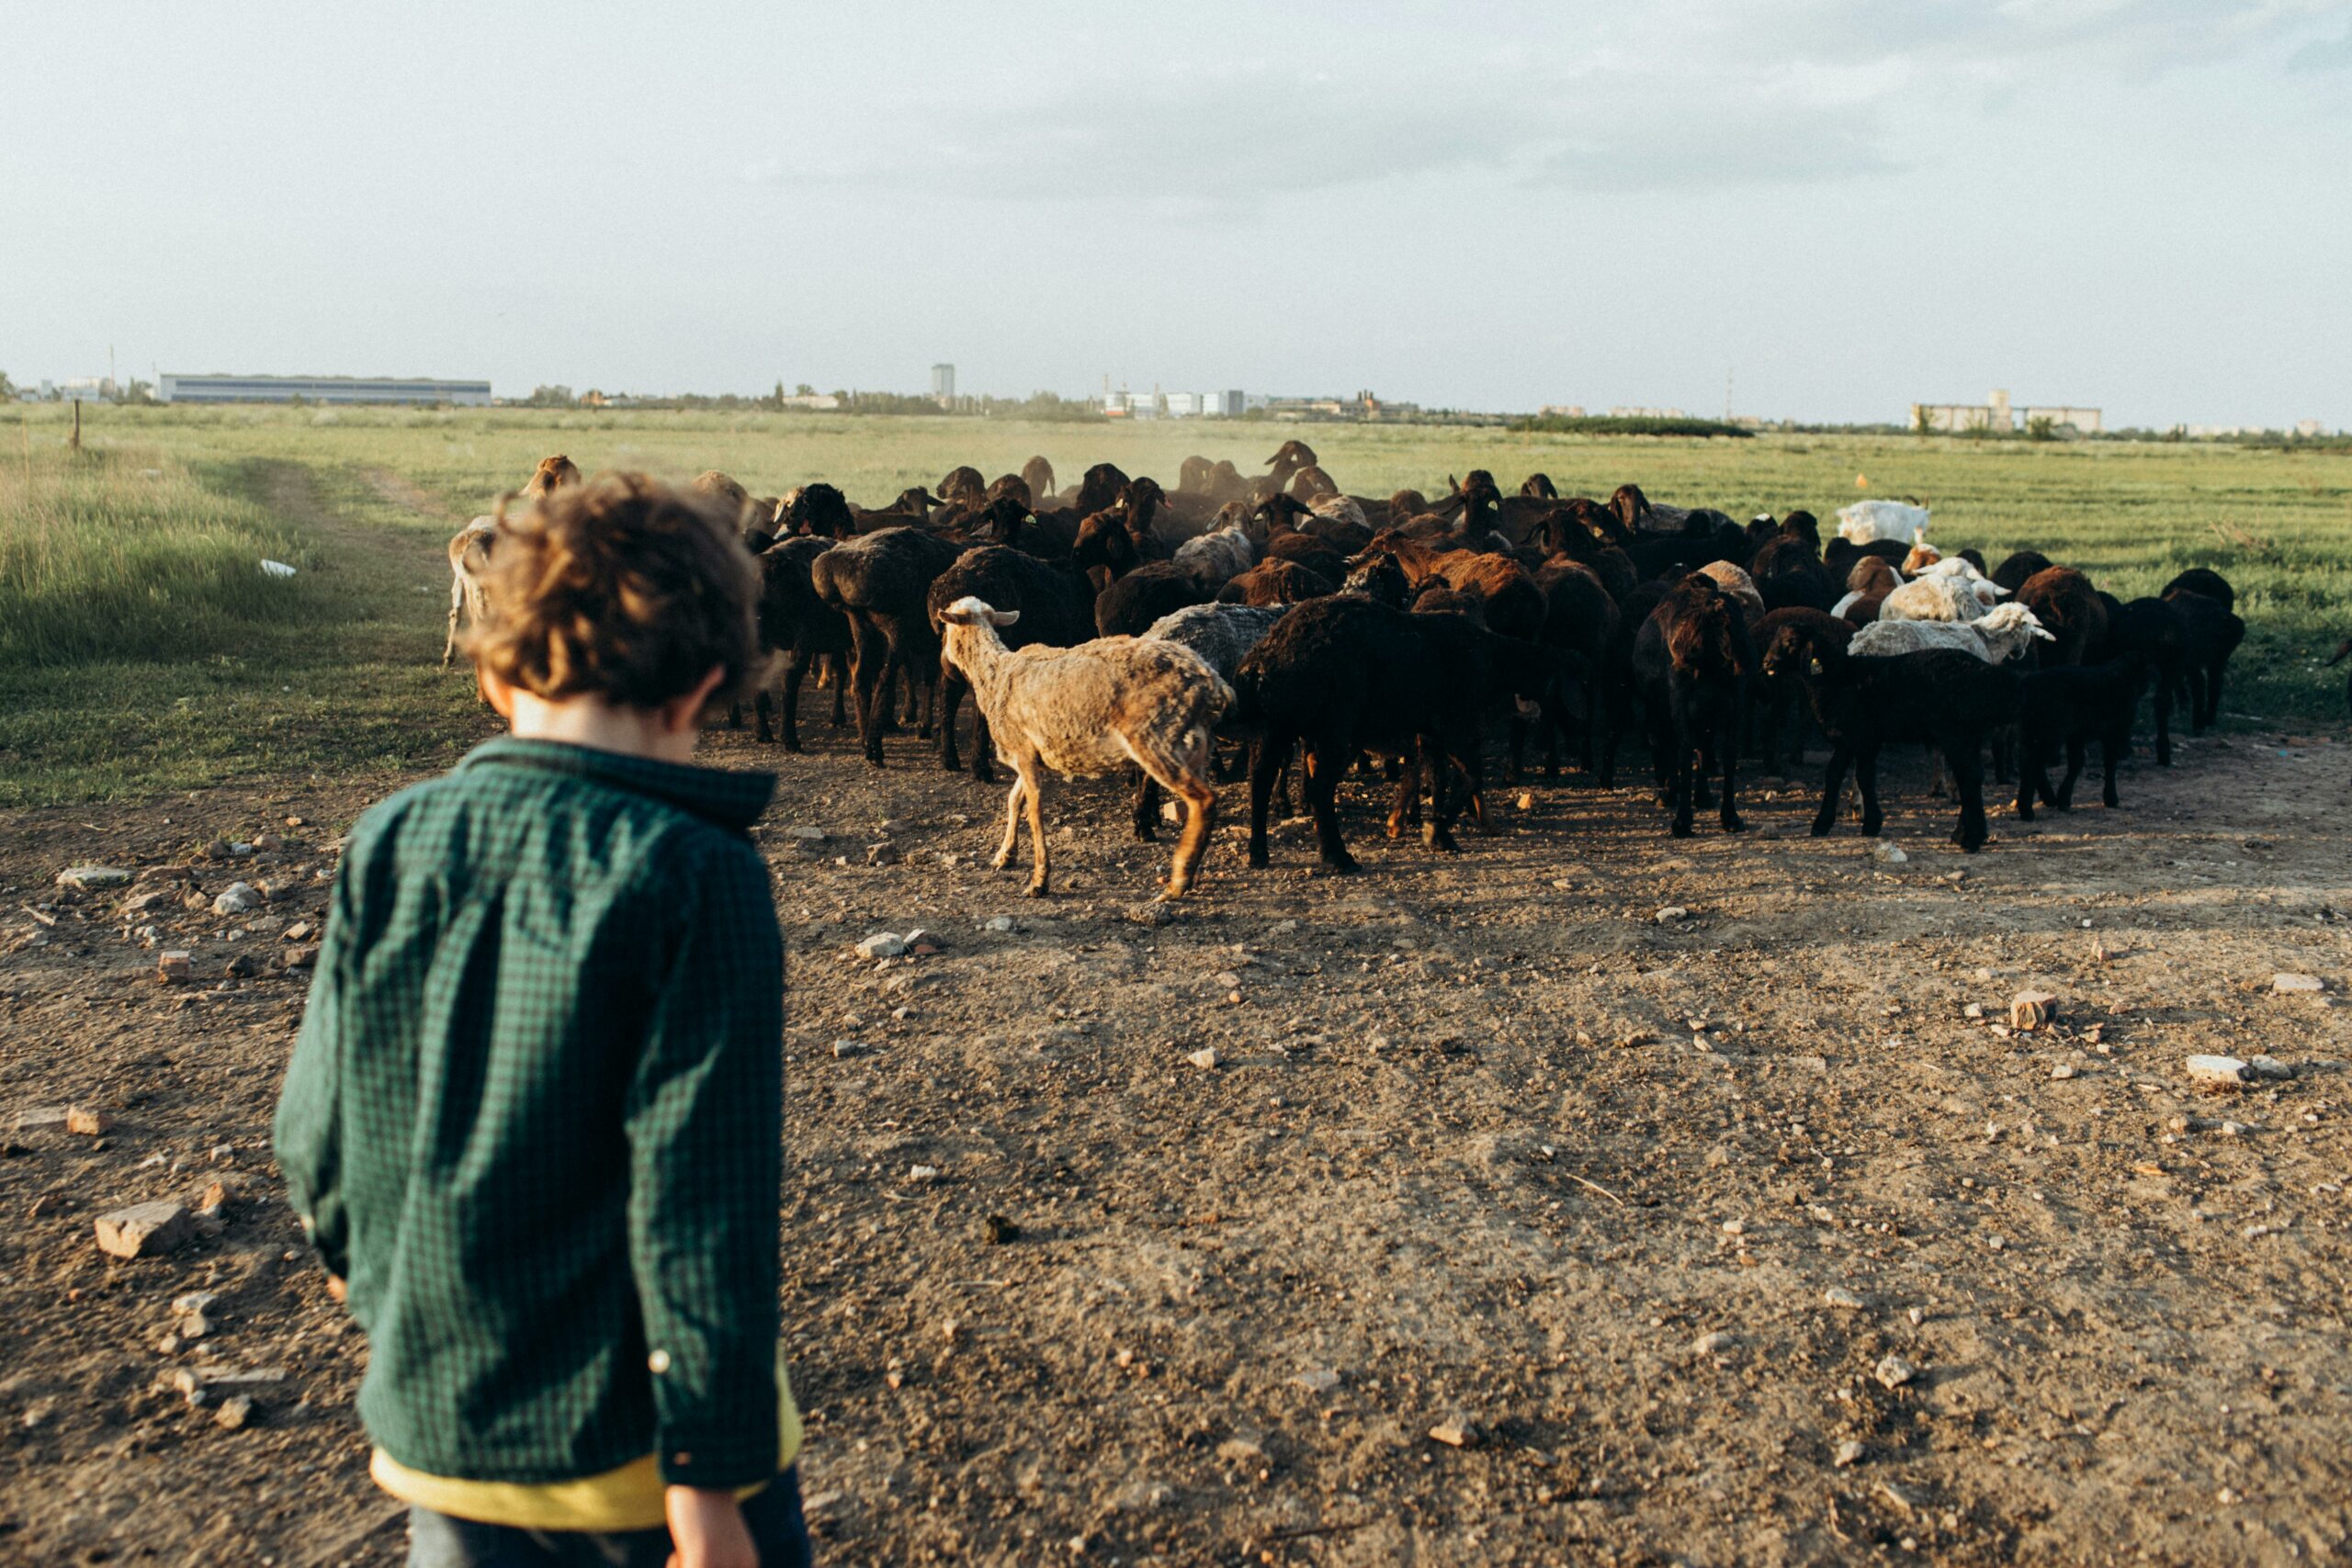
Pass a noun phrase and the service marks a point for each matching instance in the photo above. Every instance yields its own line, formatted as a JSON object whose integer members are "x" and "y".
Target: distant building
{"x": 1561, "y": 411}
{"x": 2307, "y": 428}
{"x": 1224, "y": 405}
{"x": 943, "y": 385}
{"x": 1646, "y": 414}
{"x": 176, "y": 389}
{"x": 1995, "y": 416}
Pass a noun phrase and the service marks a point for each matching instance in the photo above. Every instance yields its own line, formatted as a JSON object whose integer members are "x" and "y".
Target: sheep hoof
{"x": 1821, "y": 829}
{"x": 1733, "y": 822}
{"x": 1258, "y": 860}
{"x": 1001, "y": 862}
{"x": 1034, "y": 890}
{"x": 1345, "y": 865}
{"x": 1680, "y": 830}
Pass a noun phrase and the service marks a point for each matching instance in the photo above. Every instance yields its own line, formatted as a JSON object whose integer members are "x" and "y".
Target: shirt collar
{"x": 722, "y": 795}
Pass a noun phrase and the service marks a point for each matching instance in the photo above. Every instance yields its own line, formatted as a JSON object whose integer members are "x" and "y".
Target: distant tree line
{"x": 1605, "y": 424}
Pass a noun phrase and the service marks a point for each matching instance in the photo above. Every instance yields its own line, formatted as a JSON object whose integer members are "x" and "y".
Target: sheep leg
{"x": 1729, "y": 815}
{"x": 2213, "y": 691}
{"x": 457, "y": 604}
{"x": 2075, "y": 749}
{"x": 1186, "y": 777}
{"x": 2112, "y": 748}
{"x": 1517, "y": 754}
{"x": 761, "y": 701}
{"x": 789, "y": 705}
{"x": 2164, "y": 718}
{"x": 1407, "y": 808}
{"x": 1268, "y": 753}
{"x": 1866, "y": 775}
{"x": 1682, "y": 780}
{"x": 1439, "y": 765}
{"x": 1968, "y": 776}
{"x": 840, "y": 681}
{"x": 1832, "y": 784}
{"x": 1025, "y": 764}
{"x": 1147, "y": 808}
{"x": 869, "y": 656}
{"x": 1012, "y": 822}
{"x": 2031, "y": 778}
{"x": 1326, "y": 762}
{"x": 951, "y": 697}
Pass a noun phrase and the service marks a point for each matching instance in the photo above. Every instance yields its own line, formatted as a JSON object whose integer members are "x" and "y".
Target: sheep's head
{"x": 1293, "y": 456}
{"x": 1001, "y": 521}
{"x": 1140, "y": 498}
{"x": 965, "y": 484}
{"x": 552, "y": 474}
{"x": 1541, "y": 486}
{"x": 1010, "y": 485}
{"x": 1630, "y": 504}
{"x": 969, "y": 611}
{"x": 816, "y": 508}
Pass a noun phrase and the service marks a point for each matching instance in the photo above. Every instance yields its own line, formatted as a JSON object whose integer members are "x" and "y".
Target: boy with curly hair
{"x": 533, "y": 1123}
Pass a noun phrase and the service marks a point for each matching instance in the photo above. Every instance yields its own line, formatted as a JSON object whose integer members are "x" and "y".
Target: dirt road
{"x": 1515, "y": 1220}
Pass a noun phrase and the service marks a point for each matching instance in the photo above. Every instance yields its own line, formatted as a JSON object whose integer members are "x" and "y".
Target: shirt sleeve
{"x": 308, "y": 1134}
{"x": 705, "y": 1132}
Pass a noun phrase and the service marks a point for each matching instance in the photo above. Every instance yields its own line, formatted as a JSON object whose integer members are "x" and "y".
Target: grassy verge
{"x": 143, "y": 649}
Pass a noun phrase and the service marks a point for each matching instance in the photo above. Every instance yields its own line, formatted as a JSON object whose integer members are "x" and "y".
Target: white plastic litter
{"x": 277, "y": 569}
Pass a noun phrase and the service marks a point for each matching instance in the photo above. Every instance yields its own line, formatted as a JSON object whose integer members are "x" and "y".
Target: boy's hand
{"x": 707, "y": 1529}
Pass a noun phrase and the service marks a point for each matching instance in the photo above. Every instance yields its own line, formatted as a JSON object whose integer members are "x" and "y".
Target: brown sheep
{"x": 1040, "y": 475}
{"x": 469, "y": 548}
{"x": 1275, "y": 582}
{"x": 2069, "y": 609}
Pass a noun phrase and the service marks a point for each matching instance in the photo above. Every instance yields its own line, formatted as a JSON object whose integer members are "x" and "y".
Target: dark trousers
{"x": 437, "y": 1540}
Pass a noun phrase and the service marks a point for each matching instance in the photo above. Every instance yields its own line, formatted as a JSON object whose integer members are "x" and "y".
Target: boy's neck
{"x": 605, "y": 726}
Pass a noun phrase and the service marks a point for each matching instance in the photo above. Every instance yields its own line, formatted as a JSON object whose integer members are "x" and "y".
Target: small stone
{"x": 2269, "y": 1067}
{"x": 92, "y": 878}
{"x": 1317, "y": 1380}
{"x": 1238, "y": 1450}
{"x": 1227, "y": 978}
{"x": 807, "y": 835}
{"x": 145, "y": 1230}
{"x": 235, "y": 1411}
{"x": 1841, "y": 1298}
{"x": 884, "y": 853}
{"x": 242, "y": 967}
{"x": 303, "y": 957}
{"x": 237, "y": 899}
{"x": 173, "y": 968}
{"x": 1458, "y": 1431}
{"x": 169, "y": 1344}
{"x": 882, "y": 944}
{"x": 194, "y": 1325}
{"x": 143, "y": 903}
{"x": 2033, "y": 1010}
{"x": 88, "y": 1121}
{"x": 1712, "y": 1344}
{"x": 1850, "y": 1453}
{"x": 843, "y": 1049}
{"x": 2287, "y": 981}
{"x": 1158, "y": 912}
{"x": 195, "y": 1300}
{"x": 41, "y": 1118}
{"x": 2062, "y": 1070}
{"x": 2217, "y": 1074}
{"x": 998, "y": 1231}
{"x": 997, "y": 923}
{"x": 1203, "y": 1058}
{"x": 1735, "y": 1227}
{"x": 1894, "y": 1371}
{"x": 1526, "y": 801}
{"x": 1672, "y": 913}
{"x": 1974, "y": 1009}
{"x": 922, "y": 1173}
{"x": 301, "y": 930}
{"x": 1888, "y": 854}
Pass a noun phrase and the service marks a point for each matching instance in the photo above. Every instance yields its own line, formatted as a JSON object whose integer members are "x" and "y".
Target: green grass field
{"x": 143, "y": 649}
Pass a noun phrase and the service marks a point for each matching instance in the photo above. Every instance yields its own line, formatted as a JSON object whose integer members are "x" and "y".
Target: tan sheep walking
{"x": 1084, "y": 711}
{"x": 469, "y": 548}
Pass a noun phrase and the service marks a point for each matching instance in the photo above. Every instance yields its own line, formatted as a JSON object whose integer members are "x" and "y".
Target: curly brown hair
{"x": 622, "y": 588}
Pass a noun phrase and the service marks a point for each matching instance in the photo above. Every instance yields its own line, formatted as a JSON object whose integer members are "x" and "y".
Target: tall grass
{"x": 122, "y": 554}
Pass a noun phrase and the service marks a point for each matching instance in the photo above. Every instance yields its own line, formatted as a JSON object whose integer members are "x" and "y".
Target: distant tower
{"x": 943, "y": 385}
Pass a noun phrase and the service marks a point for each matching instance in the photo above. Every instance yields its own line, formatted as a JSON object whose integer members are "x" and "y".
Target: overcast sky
{"x": 2139, "y": 204}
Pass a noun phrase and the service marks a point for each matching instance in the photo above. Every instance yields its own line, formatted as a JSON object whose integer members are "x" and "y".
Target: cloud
{"x": 2324, "y": 54}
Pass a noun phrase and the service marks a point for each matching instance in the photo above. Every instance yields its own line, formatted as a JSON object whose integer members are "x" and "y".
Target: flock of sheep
{"x": 1119, "y": 625}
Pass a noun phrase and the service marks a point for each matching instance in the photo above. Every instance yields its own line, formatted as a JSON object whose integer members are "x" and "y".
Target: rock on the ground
{"x": 2033, "y": 1010}
{"x": 1458, "y": 1431}
{"x": 2289, "y": 981}
{"x": 1712, "y": 1344}
{"x": 1894, "y": 1371}
{"x": 88, "y": 1120}
{"x": 237, "y": 899}
{"x": 1888, "y": 854}
{"x": 1206, "y": 1057}
{"x": 174, "y": 967}
{"x": 2270, "y": 1068}
{"x": 997, "y": 923}
{"x": 235, "y": 1411}
{"x": 1849, "y": 1452}
{"x": 1672, "y": 913}
{"x": 1841, "y": 1298}
{"x": 2217, "y": 1073}
{"x": 92, "y": 878}
{"x": 882, "y": 944}
{"x": 145, "y": 1230}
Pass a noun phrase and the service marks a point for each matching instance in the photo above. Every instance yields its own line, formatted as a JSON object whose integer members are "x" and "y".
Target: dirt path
{"x": 1643, "y": 1208}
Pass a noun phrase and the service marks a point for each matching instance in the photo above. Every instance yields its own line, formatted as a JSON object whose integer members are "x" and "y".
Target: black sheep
{"x": 1344, "y": 673}
{"x": 1381, "y": 579}
{"x": 1138, "y": 597}
{"x": 821, "y": 510}
{"x": 1945, "y": 698}
{"x": 2207, "y": 582}
{"x": 1580, "y": 616}
{"x": 1779, "y": 699}
{"x": 1055, "y": 605}
{"x": 1789, "y": 574}
{"x": 1691, "y": 662}
{"x": 880, "y": 582}
{"x": 2018, "y": 567}
{"x": 2071, "y": 706}
{"x": 2159, "y": 632}
{"x": 2213, "y": 635}
{"x": 795, "y": 623}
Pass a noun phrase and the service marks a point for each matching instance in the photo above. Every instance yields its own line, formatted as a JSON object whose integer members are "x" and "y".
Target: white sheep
{"x": 1083, "y": 711}
{"x": 469, "y": 558}
{"x": 1866, "y": 522}
{"x": 1339, "y": 508}
{"x": 1218, "y": 556}
{"x": 1736, "y": 581}
{"x": 1931, "y": 598}
{"x": 1995, "y": 636}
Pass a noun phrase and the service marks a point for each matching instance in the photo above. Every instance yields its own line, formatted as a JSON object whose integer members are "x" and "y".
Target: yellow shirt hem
{"x": 627, "y": 1497}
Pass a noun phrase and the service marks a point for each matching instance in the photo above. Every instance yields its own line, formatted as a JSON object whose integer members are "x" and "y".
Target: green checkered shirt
{"x": 534, "y": 1118}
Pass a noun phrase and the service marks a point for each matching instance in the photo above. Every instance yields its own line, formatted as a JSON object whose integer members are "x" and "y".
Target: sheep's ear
{"x": 1005, "y": 618}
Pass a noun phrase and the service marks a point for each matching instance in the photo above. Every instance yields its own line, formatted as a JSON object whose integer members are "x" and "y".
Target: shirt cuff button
{"x": 658, "y": 1362}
